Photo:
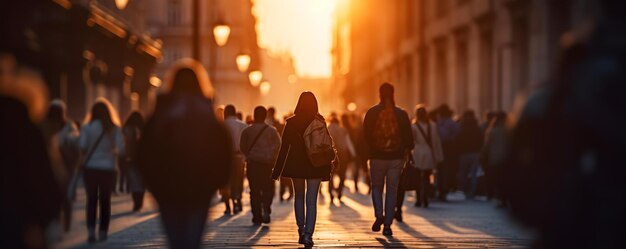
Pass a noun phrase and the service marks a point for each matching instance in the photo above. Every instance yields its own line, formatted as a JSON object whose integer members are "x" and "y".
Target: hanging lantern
{"x": 255, "y": 78}
{"x": 243, "y": 62}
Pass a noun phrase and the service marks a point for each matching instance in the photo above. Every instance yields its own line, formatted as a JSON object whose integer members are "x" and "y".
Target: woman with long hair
{"x": 132, "y": 132}
{"x": 293, "y": 162}
{"x": 101, "y": 142}
{"x": 185, "y": 154}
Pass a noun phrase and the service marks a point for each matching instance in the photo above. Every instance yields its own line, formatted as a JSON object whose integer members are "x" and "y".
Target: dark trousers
{"x": 261, "y": 188}
{"x": 360, "y": 165}
{"x": 285, "y": 186}
{"x": 344, "y": 159}
{"x": 137, "y": 200}
{"x": 67, "y": 214}
{"x": 421, "y": 193}
{"x": 99, "y": 184}
{"x": 123, "y": 180}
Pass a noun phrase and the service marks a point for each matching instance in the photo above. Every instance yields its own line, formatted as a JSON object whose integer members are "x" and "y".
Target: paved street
{"x": 455, "y": 224}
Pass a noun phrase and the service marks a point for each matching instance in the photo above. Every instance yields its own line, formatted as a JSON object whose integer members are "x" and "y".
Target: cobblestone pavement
{"x": 453, "y": 224}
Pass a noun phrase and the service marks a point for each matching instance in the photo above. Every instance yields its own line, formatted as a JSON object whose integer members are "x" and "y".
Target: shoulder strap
{"x": 427, "y": 137}
{"x": 257, "y": 137}
{"x": 93, "y": 149}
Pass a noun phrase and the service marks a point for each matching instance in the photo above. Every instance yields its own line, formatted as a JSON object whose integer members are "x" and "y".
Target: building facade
{"x": 470, "y": 54}
{"x": 171, "y": 22}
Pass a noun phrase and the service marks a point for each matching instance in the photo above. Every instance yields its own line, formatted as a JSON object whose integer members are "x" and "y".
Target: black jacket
{"x": 185, "y": 154}
{"x": 405, "y": 133}
{"x": 293, "y": 160}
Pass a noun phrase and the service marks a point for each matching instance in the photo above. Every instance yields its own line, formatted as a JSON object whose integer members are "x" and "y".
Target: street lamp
{"x": 221, "y": 31}
{"x": 155, "y": 81}
{"x": 121, "y": 4}
{"x": 255, "y": 78}
{"x": 243, "y": 62}
{"x": 265, "y": 87}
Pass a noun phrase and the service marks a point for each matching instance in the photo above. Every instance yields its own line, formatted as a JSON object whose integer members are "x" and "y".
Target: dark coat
{"x": 293, "y": 160}
{"x": 184, "y": 155}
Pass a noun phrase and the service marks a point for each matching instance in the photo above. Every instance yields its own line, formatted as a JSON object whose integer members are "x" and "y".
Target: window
{"x": 173, "y": 12}
{"x": 441, "y": 76}
{"x": 462, "y": 74}
{"x": 486, "y": 71}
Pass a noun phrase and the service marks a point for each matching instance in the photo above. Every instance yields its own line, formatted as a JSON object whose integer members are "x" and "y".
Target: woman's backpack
{"x": 319, "y": 145}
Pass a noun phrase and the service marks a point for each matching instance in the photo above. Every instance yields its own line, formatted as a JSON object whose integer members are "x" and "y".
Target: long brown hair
{"x": 104, "y": 112}
{"x": 307, "y": 105}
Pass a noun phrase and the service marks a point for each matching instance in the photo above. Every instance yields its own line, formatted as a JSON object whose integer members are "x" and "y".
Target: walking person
{"x": 427, "y": 153}
{"x": 101, "y": 141}
{"x": 345, "y": 152}
{"x": 260, "y": 144}
{"x": 232, "y": 191}
{"x": 354, "y": 124}
{"x": 185, "y": 153}
{"x": 132, "y": 131}
{"x": 295, "y": 162}
{"x": 493, "y": 155}
{"x": 388, "y": 135}
{"x": 469, "y": 143}
{"x": 61, "y": 136}
{"x": 447, "y": 173}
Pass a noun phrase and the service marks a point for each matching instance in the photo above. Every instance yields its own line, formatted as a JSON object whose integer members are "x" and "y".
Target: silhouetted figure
{"x": 133, "y": 130}
{"x": 427, "y": 154}
{"x": 185, "y": 154}
{"x": 31, "y": 196}
{"x": 285, "y": 185}
{"x": 565, "y": 176}
{"x": 354, "y": 124}
{"x": 447, "y": 173}
{"x": 293, "y": 161}
{"x": 62, "y": 139}
{"x": 493, "y": 155}
{"x": 101, "y": 142}
{"x": 345, "y": 150}
{"x": 232, "y": 191}
{"x": 388, "y": 135}
{"x": 260, "y": 144}
{"x": 469, "y": 143}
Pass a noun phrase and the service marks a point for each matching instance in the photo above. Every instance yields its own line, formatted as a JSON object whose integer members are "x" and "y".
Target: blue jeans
{"x": 310, "y": 188}
{"x": 468, "y": 170}
{"x": 388, "y": 171}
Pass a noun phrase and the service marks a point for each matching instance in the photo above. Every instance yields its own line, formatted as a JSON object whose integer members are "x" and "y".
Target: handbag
{"x": 409, "y": 176}
{"x": 78, "y": 173}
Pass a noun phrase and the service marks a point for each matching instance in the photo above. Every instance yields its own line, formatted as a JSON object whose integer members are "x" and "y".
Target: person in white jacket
{"x": 101, "y": 141}
{"x": 427, "y": 154}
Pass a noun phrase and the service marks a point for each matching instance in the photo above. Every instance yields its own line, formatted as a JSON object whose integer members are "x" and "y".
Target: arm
{"x": 368, "y": 122}
{"x": 282, "y": 154}
{"x": 437, "y": 150}
{"x": 275, "y": 138}
{"x": 119, "y": 141}
{"x": 243, "y": 142}
{"x": 405, "y": 126}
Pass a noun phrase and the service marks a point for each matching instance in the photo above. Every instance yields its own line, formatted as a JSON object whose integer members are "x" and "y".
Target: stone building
{"x": 471, "y": 54}
{"x": 171, "y": 22}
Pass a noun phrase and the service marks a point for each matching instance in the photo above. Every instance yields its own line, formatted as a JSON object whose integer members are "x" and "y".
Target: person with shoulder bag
{"x": 260, "y": 144}
{"x": 101, "y": 141}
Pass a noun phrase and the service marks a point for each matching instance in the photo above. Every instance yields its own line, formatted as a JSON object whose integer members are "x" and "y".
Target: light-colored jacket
{"x": 235, "y": 127}
{"x": 105, "y": 154}
{"x": 426, "y": 158}
{"x": 266, "y": 147}
{"x": 341, "y": 138}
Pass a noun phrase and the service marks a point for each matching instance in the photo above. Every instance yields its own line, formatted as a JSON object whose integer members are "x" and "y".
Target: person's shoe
{"x": 102, "y": 236}
{"x": 398, "y": 216}
{"x": 377, "y": 224}
{"x": 387, "y": 231}
{"x": 256, "y": 221}
{"x": 307, "y": 239}
{"x": 92, "y": 236}
{"x": 266, "y": 219}
{"x": 238, "y": 206}
{"x": 300, "y": 236}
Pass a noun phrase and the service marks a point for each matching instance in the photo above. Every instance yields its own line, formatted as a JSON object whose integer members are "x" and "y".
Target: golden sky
{"x": 300, "y": 27}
